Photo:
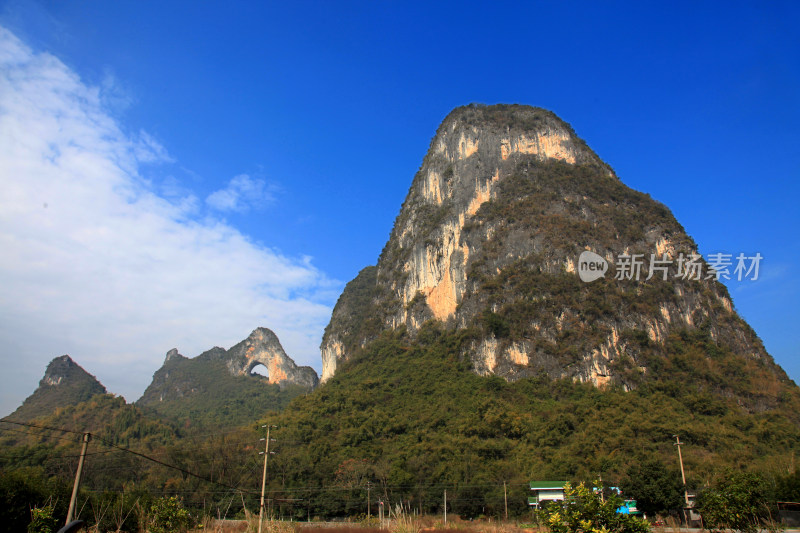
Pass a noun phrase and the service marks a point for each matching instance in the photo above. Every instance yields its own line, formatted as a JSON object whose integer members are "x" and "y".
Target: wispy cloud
{"x": 148, "y": 150}
{"x": 112, "y": 94}
{"x": 242, "y": 194}
{"x": 99, "y": 264}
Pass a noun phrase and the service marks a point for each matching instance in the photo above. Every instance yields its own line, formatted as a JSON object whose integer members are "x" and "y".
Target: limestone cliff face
{"x": 468, "y": 159}
{"x": 263, "y": 347}
{"x": 488, "y": 239}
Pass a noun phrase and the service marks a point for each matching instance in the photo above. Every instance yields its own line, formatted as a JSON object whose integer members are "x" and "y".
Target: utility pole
{"x": 505, "y": 499}
{"x": 266, "y": 453}
{"x": 678, "y": 443}
{"x": 445, "y": 506}
{"x": 368, "y": 502}
{"x": 602, "y": 496}
{"x": 74, "y": 498}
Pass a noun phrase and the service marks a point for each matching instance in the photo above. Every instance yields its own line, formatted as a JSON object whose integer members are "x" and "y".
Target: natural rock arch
{"x": 258, "y": 369}
{"x": 262, "y": 347}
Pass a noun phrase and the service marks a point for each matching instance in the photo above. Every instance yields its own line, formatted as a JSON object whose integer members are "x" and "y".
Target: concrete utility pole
{"x": 74, "y": 499}
{"x": 505, "y": 499}
{"x": 678, "y": 443}
{"x": 266, "y": 453}
{"x": 445, "y": 506}
{"x": 602, "y": 496}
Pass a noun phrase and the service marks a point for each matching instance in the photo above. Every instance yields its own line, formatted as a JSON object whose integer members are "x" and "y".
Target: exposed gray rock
{"x": 173, "y": 354}
{"x": 504, "y": 203}
{"x": 263, "y": 347}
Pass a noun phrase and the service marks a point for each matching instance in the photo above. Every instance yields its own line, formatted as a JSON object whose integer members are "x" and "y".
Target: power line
{"x": 51, "y": 428}
{"x": 127, "y": 450}
{"x": 243, "y": 468}
{"x": 179, "y": 469}
{"x": 245, "y": 439}
{"x": 166, "y": 451}
{"x": 37, "y": 434}
{"x": 57, "y": 456}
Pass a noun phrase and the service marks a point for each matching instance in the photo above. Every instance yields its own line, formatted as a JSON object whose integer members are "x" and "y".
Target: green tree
{"x": 42, "y": 520}
{"x": 167, "y": 515}
{"x": 788, "y": 488}
{"x": 470, "y": 502}
{"x": 655, "y": 489}
{"x": 584, "y": 511}
{"x": 738, "y": 501}
{"x": 24, "y": 489}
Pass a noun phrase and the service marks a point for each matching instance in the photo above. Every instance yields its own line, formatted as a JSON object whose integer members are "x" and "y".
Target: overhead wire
{"x": 179, "y": 469}
{"x": 246, "y": 469}
{"x": 70, "y": 439}
{"x": 163, "y": 452}
{"x": 72, "y": 456}
{"x": 40, "y": 426}
{"x": 127, "y": 450}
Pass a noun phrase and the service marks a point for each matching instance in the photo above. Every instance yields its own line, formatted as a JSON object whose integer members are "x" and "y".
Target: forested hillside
{"x": 412, "y": 418}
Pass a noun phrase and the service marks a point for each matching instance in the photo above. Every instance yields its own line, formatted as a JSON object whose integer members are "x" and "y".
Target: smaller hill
{"x": 219, "y": 386}
{"x": 65, "y": 383}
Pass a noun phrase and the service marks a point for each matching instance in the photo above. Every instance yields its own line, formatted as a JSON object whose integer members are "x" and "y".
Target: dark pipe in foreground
{"x": 72, "y": 527}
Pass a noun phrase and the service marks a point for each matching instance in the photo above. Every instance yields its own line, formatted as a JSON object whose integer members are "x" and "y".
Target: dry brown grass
{"x": 340, "y": 529}
{"x": 479, "y": 526}
{"x": 400, "y": 522}
{"x": 212, "y": 525}
{"x": 248, "y": 525}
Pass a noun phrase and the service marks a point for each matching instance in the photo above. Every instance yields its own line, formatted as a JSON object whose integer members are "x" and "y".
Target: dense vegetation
{"x": 545, "y": 214}
{"x": 201, "y": 392}
{"x": 413, "y": 419}
{"x": 585, "y": 509}
{"x": 361, "y": 311}
{"x": 410, "y": 419}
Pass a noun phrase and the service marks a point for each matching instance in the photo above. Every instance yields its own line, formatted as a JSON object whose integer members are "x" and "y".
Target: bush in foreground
{"x": 585, "y": 511}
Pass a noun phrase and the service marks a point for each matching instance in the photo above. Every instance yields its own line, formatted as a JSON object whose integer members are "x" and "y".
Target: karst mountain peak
{"x": 487, "y": 242}
{"x": 64, "y": 383}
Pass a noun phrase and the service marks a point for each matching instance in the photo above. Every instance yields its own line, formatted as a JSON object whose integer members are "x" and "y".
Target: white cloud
{"x": 148, "y": 150}
{"x": 95, "y": 263}
{"x": 113, "y": 95}
{"x": 241, "y": 194}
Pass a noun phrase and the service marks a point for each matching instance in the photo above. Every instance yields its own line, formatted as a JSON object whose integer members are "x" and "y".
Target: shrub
{"x": 737, "y": 501}
{"x": 167, "y": 515}
{"x": 42, "y": 520}
{"x": 585, "y": 511}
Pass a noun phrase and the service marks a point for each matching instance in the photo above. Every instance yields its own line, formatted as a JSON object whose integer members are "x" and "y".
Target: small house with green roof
{"x": 546, "y": 491}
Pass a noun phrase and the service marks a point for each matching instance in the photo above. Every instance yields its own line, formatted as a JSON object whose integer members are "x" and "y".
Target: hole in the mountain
{"x": 259, "y": 370}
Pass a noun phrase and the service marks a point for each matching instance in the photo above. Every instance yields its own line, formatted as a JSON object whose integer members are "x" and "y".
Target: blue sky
{"x": 212, "y": 167}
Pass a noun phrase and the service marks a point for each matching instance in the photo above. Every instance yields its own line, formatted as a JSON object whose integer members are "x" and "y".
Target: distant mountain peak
{"x": 222, "y": 381}
{"x": 504, "y": 131}
{"x": 64, "y": 370}
{"x": 173, "y": 354}
{"x": 59, "y": 369}
{"x": 262, "y": 347}
{"x": 64, "y": 383}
